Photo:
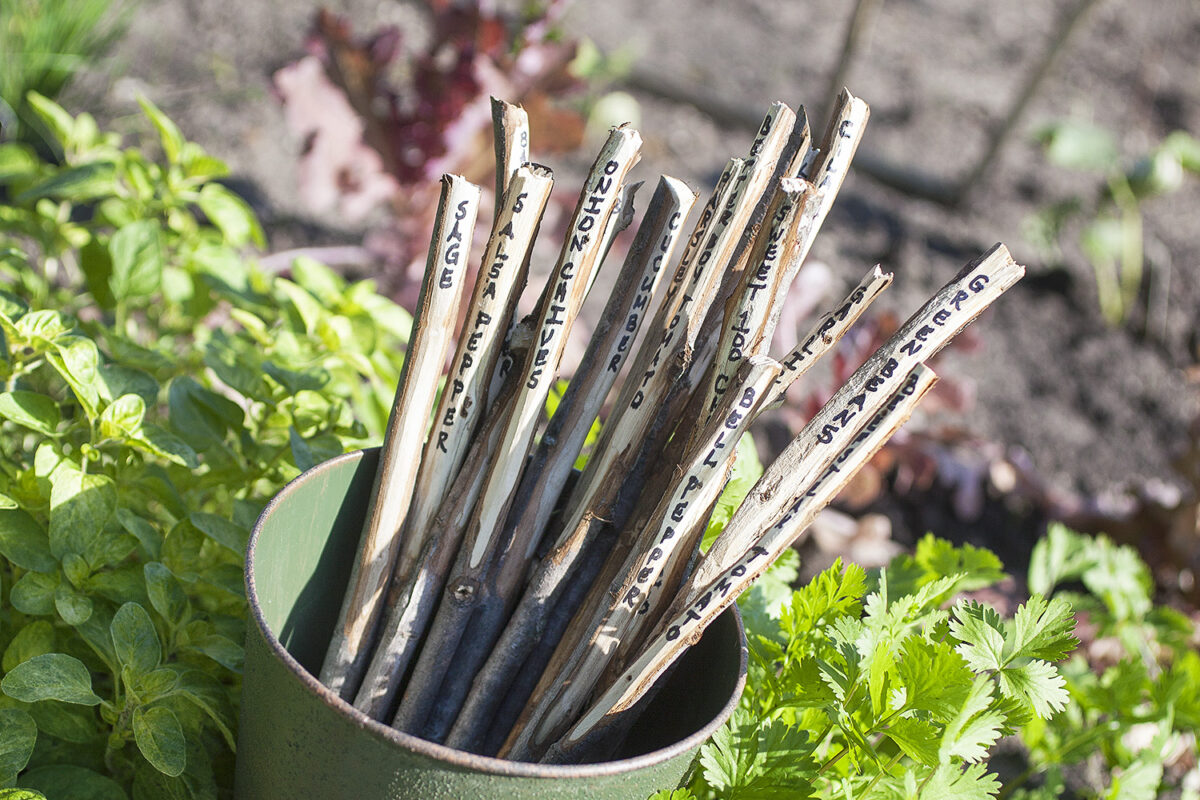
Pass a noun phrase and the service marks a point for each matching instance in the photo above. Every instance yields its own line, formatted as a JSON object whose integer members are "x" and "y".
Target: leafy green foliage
{"x": 869, "y": 686}
{"x": 157, "y": 390}
{"x": 884, "y": 685}
{"x": 1110, "y": 228}
{"x": 1134, "y": 694}
{"x": 42, "y": 46}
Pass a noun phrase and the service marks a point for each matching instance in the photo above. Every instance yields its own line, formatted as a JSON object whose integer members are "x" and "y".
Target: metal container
{"x": 297, "y": 739}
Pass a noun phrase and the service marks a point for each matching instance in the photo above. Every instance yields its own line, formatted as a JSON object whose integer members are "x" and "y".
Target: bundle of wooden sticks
{"x": 497, "y": 608}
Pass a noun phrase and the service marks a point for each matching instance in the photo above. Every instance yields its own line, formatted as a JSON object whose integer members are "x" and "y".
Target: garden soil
{"x": 1097, "y": 410}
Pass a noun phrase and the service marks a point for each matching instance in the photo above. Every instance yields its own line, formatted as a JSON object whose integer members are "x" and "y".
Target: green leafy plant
{"x": 42, "y": 46}
{"x": 1112, "y": 232}
{"x": 157, "y": 391}
{"x": 868, "y": 685}
{"x": 1130, "y": 728}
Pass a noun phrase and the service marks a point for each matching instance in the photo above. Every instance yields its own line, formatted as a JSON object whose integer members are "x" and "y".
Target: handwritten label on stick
{"x": 669, "y": 535}
{"x": 921, "y": 337}
{"x": 501, "y": 276}
{"x": 432, "y": 333}
{"x": 707, "y": 601}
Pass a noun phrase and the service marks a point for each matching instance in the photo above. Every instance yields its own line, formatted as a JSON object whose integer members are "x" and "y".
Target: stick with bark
{"x": 510, "y": 134}
{"x": 704, "y": 602}
{"x": 502, "y": 276}
{"x": 671, "y": 528}
{"x": 413, "y": 599}
{"x": 572, "y": 274}
{"x": 553, "y": 460}
{"x": 626, "y": 437}
{"x": 355, "y": 632}
{"x": 922, "y": 336}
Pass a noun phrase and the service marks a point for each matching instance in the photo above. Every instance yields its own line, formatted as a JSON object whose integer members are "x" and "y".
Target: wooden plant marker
{"x": 572, "y": 274}
{"x": 432, "y": 331}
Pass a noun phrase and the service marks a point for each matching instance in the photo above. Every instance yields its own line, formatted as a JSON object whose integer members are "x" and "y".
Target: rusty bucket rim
{"x": 439, "y": 752}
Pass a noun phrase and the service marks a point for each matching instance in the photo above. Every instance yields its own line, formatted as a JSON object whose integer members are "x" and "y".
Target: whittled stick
{"x": 579, "y": 257}
{"x": 765, "y": 283}
{"x": 414, "y": 596}
{"x": 828, "y": 330}
{"x": 432, "y": 331}
{"x": 510, "y": 134}
{"x": 703, "y": 603}
{"x": 669, "y": 535}
{"x": 553, "y": 461}
{"x": 758, "y": 304}
{"x": 928, "y": 330}
{"x": 501, "y": 277}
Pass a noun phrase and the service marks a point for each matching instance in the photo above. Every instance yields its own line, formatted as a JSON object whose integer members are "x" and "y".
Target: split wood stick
{"x": 553, "y": 461}
{"x": 831, "y": 163}
{"x": 432, "y": 331}
{"x": 561, "y": 443}
{"x": 705, "y": 602}
{"x": 749, "y": 325}
{"x": 654, "y": 374}
{"x": 828, "y": 330}
{"x": 510, "y": 134}
{"x": 579, "y": 256}
{"x": 621, "y": 218}
{"x": 764, "y": 285}
{"x": 667, "y": 535}
{"x": 501, "y": 278}
{"x": 414, "y": 597}
{"x": 918, "y": 339}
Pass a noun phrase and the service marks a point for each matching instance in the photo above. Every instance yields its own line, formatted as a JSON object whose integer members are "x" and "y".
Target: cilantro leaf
{"x": 975, "y": 728}
{"x": 1042, "y": 629}
{"x": 949, "y": 782}
{"x": 935, "y": 677}
{"x": 1038, "y": 684}
{"x": 749, "y": 759}
{"x": 916, "y": 737}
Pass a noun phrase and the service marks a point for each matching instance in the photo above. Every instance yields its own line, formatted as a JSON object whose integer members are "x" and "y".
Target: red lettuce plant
{"x": 382, "y": 117}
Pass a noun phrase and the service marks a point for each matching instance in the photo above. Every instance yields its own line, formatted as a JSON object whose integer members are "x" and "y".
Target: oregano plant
{"x": 157, "y": 389}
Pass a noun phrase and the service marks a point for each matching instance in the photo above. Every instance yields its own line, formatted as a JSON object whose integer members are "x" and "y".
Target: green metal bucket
{"x": 297, "y": 739}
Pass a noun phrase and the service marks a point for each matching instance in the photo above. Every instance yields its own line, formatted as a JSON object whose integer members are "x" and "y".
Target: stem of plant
{"x": 885, "y": 770}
